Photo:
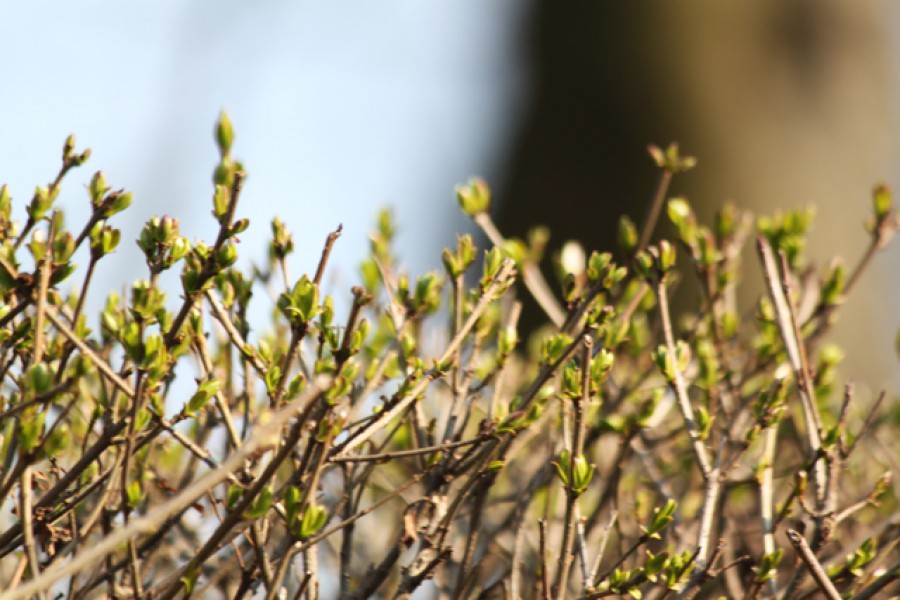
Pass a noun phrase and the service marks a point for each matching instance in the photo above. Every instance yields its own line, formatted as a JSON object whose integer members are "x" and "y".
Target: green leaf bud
{"x": 116, "y": 202}
{"x": 582, "y": 473}
{"x": 881, "y": 201}
{"x": 134, "y": 494}
{"x": 40, "y": 203}
{"x": 68, "y": 147}
{"x": 5, "y": 201}
{"x": 666, "y": 256}
{"x": 474, "y": 197}
{"x": 644, "y": 262}
{"x": 664, "y": 362}
{"x": 224, "y": 133}
{"x": 260, "y": 505}
{"x": 554, "y": 348}
{"x": 224, "y": 173}
{"x": 221, "y": 200}
{"x": 314, "y": 519}
{"x": 627, "y": 235}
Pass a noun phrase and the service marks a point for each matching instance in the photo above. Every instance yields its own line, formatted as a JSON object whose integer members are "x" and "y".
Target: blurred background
{"x": 343, "y": 107}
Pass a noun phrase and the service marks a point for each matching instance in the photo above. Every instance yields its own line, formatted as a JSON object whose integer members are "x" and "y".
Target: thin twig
{"x": 792, "y": 343}
{"x": 90, "y": 353}
{"x": 515, "y": 559}
{"x": 679, "y": 386}
{"x": 25, "y": 513}
{"x": 815, "y": 567}
{"x": 579, "y": 404}
{"x": 326, "y": 252}
{"x": 766, "y": 497}
{"x": 221, "y": 403}
{"x": 889, "y": 576}
{"x": 386, "y": 456}
{"x": 531, "y": 274}
{"x": 246, "y": 350}
{"x": 545, "y": 571}
{"x": 604, "y": 539}
{"x": 662, "y": 187}
{"x": 449, "y": 417}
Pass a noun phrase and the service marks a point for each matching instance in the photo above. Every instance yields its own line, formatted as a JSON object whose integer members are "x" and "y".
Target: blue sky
{"x": 339, "y": 107}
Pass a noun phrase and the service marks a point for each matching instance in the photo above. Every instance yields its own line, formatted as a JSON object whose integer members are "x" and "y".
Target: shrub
{"x": 620, "y": 451}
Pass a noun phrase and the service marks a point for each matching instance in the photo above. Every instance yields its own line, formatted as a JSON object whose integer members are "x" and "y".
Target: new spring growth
{"x": 667, "y": 363}
{"x": 456, "y": 263}
{"x": 474, "y": 197}
{"x": 856, "y": 562}
{"x": 886, "y": 221}
{"x": 581, "y": 471}
{"x": 670, "y": 159}
{"x": 768, "y": 566}
{"x": 161, "y": 243}
{"x": 104, "y": 239}
{"x": 70, "y": 159}
{"x": 314, "y": 518}
{"x": 282, "y": 241}
{"x": 656, "y": 262}
{"x": 41, "y": 202}
{"x": 301, "y": 305}
{"x": 627, "y": 235}
{"x": 224, "y": 134}
{"x": 5, "y": 204}
{"x": 103, "y": 201}
{"x": 303, "y": 521}
{"x": 881, "y": 201}
{"x": 662, "y": 516}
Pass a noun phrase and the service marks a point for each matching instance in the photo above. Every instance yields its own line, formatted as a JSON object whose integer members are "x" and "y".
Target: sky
{"x": 340, "y": 108}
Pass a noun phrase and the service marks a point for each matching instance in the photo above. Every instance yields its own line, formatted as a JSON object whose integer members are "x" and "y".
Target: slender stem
{"x": 679, "y": 386}
{"x": 766, "y": 497}
{"x": 786, "y": 325}
{"x": 136, "y": 403}
{"x": 566, "y": 557}
{"x": 386, "y": 456}
{"x": 449, "y": 417}
{"x": 889, "y": 576}
{"x": 25, "y": 512}
{"x": 311, "y": 563}
{"x": 874, "y": 247}
{"x": 707, "y": 515}
{"x": 531, "y": 274}
{"x": 326, "y": 252}
{"x": 515, "y": 559}
{"x": 623, "y": 557}
{"x": 662, "y": 188}
{"x": 221, "y": 402}
{"x": 41, "y": 301}
{"x": 815, "y": 567}
{"x": 90, "y": 354}
{"x": 545, "y": 571}
{"x": 604, "y": 539}
{"x": 360, "y": 298}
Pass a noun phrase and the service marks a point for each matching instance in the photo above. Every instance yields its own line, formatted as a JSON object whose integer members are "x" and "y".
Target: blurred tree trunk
{"x": 785, "y": 103}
